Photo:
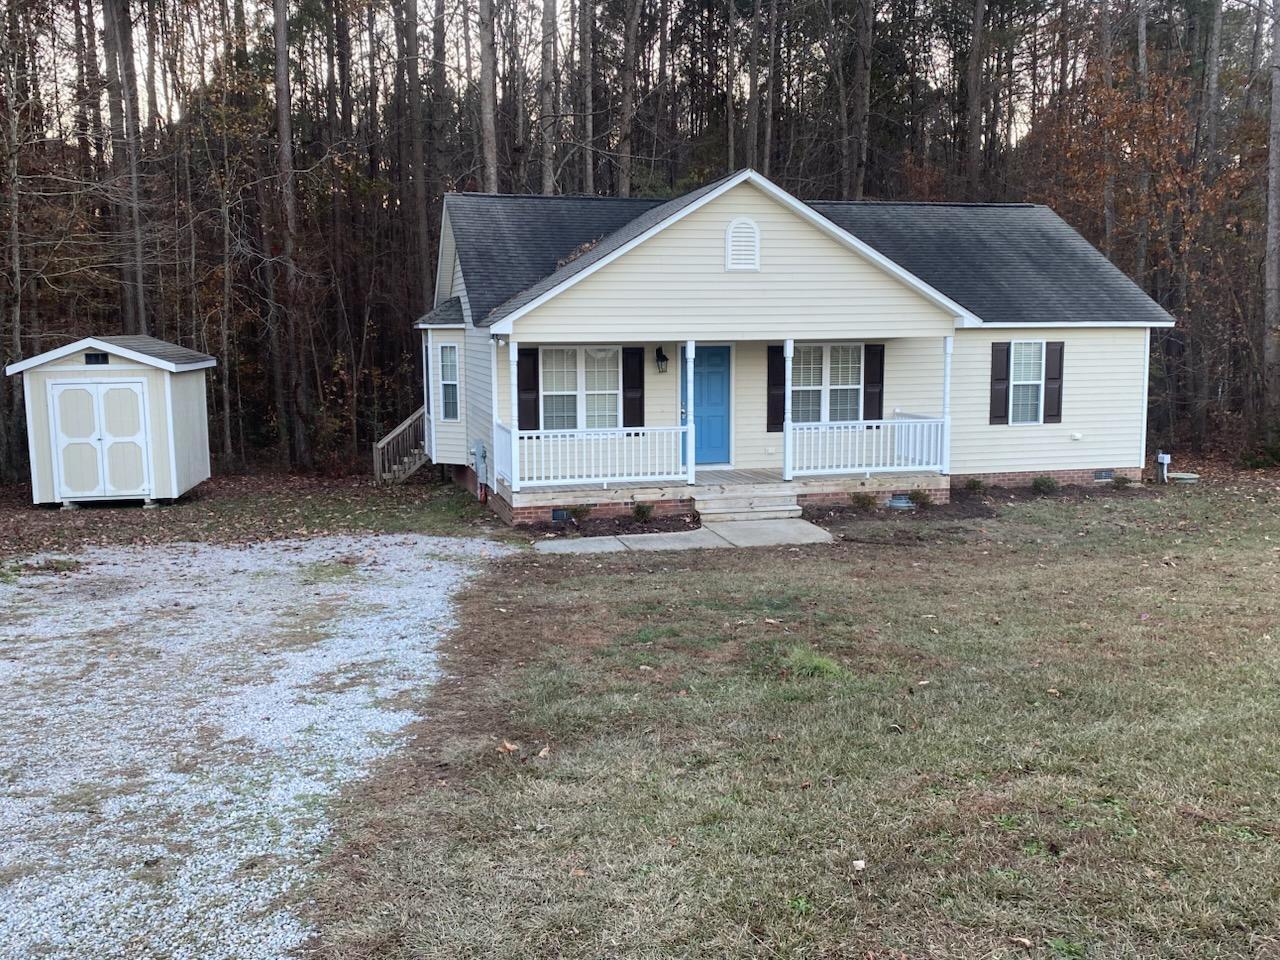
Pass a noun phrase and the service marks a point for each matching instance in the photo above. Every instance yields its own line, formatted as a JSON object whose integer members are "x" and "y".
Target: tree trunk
{"x": 730, "y": 76}
{"x": 296, "y": 403}
{"x": 1271, "y": 331}
{"x": 123, "y": 100}
{"x": 753, "y": 90}
{"x": 973, "y": 104}
{"x": 586, "y": 65}
{"x": 417, "y": 122}
{"x": 1211, "y": 106}
{"x": 488, "y": 97}
{"x": 862, "y": 44}
{"x": 626, "y": 122}
{"x": 1109, "y": 177}
{"x": 1144, "y": 174}
{"x": 771, "y": 96}
{"x": 546, "y": 97}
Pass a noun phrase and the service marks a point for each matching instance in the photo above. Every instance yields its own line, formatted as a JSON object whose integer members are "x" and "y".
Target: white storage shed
{"x": 115, "y": 418}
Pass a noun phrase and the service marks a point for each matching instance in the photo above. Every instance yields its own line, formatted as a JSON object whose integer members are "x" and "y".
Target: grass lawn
{"x": 1052, "y": 732}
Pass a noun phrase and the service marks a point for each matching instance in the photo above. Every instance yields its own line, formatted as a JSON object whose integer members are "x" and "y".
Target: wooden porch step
{"x": 740, "y": 506}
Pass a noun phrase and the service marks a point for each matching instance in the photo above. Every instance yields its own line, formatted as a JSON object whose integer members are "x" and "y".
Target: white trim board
{"x": 102, "y": 346}
{"x": 804, "y": 211}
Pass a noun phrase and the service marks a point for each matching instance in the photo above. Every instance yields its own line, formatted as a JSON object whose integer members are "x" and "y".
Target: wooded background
{"x": 264, "y": 182}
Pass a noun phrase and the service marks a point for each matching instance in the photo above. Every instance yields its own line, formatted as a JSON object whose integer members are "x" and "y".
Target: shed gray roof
{"x": 448, "y": 313}
{"x": 1015, "y": 262}
{"x": 158, "y": 349}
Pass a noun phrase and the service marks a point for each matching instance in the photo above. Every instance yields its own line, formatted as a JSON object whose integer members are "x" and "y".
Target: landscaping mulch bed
{"x": 613, "y": 526}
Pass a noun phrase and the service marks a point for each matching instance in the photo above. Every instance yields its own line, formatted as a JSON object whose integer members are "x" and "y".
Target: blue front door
{"x": 711, "y": 386}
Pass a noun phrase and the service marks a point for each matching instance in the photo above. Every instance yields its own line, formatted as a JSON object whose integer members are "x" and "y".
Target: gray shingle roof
{"x": 158, "y": 349}
{"x": 1004, "y": 262}
{"x": 509, "y": 243}
{"x": 449, "y": 312}
{"x": 1007, "y": 262}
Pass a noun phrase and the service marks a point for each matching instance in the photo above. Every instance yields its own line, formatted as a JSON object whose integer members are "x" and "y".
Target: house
{"x": 738, "y": 350}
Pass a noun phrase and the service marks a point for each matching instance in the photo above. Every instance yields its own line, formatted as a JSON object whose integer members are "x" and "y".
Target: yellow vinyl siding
{"x": 450, "y": 435}
{"x": 1104, "y": 400}
{"x": 674, "y": 286}
{"x": 37, "y": 380}
{"x": 191, "y": 426}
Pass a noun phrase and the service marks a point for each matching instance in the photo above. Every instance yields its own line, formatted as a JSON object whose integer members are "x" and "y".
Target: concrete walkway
{"x": 710, "y": 536}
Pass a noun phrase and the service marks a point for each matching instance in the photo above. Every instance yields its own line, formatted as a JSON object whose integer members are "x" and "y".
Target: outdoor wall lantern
{"x": 661, "y": 358}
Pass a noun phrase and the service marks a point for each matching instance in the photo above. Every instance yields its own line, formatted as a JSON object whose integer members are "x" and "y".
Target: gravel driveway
{"x": 176, "y": 717}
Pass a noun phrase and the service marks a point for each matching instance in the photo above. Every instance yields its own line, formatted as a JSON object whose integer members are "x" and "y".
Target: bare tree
{"x": 627, "y": 118}
{"x": 488, "y": 97}
{"x": 546, "y": 97}
{"x": 417, "y": 123}
{"x": 973, "y": 101}
{"x": 1271, "y": 270}
{"x": 586, "y": 80}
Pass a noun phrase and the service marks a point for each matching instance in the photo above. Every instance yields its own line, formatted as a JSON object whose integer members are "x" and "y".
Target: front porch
{"x": 793, "y": 419}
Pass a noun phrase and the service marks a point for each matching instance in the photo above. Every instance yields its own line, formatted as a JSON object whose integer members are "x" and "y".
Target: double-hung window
{"x": 1026, "y": 381}
{"x": 448, "y": 381}
{"x": 826, "y": 383}
{"x": 581, "y": 387}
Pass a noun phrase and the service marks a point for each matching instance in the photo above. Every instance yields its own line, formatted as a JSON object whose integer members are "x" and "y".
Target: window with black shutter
{"x": 633, "y": 386}
{"x": 999, "y": 383}
{"x": 527, "y": 388}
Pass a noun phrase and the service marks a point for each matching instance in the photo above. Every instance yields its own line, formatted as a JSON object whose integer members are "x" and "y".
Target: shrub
{"x": 803, "y": 661}
{"x": 1044, "y": 486}
{"x": 974, "y": 485}
{"x": 642, "y": 511}
{"x": 864, "y": 502}
{"x": 580, "y": 512}
{"x": 1120, "y": 481}
{"x": 921, "y": 498}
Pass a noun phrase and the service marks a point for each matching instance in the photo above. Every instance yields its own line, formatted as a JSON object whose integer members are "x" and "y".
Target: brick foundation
{"x": 1025, "y": 477}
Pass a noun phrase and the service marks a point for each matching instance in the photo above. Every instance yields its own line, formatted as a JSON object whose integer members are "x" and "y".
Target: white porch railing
{"x": 591, "y": 456}
{"x": 907, "y": 443}
{"x": 502, "y": 451}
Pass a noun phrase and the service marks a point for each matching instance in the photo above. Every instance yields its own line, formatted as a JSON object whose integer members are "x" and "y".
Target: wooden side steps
{"x": 746, "y": 506}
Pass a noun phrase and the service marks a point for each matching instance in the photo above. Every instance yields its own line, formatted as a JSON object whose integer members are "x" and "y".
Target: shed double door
{"x": 100, "y": 442}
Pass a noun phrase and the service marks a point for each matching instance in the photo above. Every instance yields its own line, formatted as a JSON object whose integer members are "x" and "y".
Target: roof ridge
{"x": 1019, "y": 204}
{"x": 558, "y": 196}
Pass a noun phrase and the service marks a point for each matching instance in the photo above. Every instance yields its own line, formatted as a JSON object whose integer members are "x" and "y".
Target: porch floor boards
{"x": 744, "y": 483}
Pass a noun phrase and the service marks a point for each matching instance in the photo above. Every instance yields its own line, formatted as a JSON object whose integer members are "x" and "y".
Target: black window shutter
{"x": 527, "y": 387}
{"x": 873, "y": 381}
{"x": 633, "y": 386}
{"x": 1053, "y": 382}
{"x": 1000, "y": 382}
{"x": 776, "y": 407}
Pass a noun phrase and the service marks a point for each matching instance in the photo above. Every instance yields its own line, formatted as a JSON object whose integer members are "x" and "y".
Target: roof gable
{"x": 657, "y": 219}
{"x": 138, "y": 348}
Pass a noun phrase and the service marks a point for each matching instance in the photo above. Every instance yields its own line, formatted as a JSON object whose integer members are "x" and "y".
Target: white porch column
{"x": 690, "y": 438}
{"x": 513, "y": 366}
{"x": 947, "y": 345}
{"x": 788, "y": 351}
{"x": 428, "y": 353}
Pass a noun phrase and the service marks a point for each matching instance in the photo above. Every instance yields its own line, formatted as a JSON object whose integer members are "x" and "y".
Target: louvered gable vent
{"x": 742, "y": 246}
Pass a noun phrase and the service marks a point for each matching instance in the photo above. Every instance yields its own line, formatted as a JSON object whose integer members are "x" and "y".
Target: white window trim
{"x": 827, "y": 386}
{"x": 581, "y": 386}
{"x": 729, "y": 265}
{"x": 1044, "y": 357}
{"x": 456, "y": 383}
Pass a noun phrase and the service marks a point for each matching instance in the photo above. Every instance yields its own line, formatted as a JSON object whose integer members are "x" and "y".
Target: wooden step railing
{"x": 402, "y": 451}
